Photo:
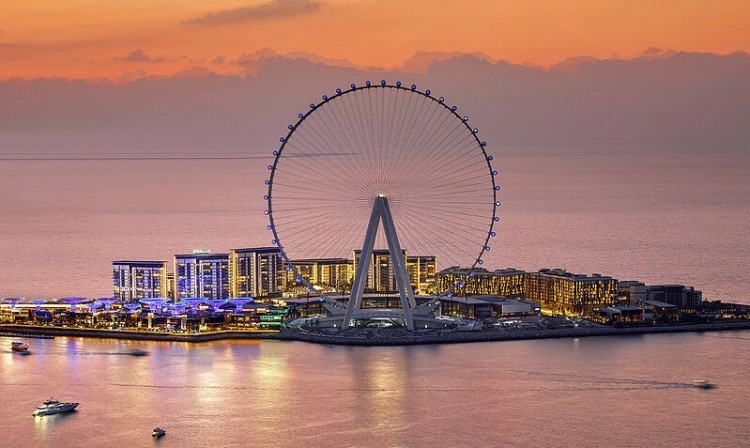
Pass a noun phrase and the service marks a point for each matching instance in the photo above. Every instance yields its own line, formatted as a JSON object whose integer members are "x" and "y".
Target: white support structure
{"x": 381, "y": 211}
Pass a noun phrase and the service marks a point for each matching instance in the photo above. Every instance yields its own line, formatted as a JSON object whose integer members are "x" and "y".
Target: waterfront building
{"x": 621, "y": 314}
{"x": 327, "y": 274}
{"x": 681, "y": 296}
{"x": 661, "y": 312}
{"x": 562, "y": 292}
{"x": 486, "y": 306}
{"x": 134, "y": 280}
{"x": 508, "y": 282}
{"x": 170, "y": 285}
{"x": 422, "y": 270}
{"x": 380, "y": 277}
{"x": 631, "y": 292}
{"x": 257, "y": 272}
{"x": 201, "y": 274}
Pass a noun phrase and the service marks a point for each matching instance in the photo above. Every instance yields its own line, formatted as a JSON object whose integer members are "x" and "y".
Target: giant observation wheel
{"x": 381, "y": 140}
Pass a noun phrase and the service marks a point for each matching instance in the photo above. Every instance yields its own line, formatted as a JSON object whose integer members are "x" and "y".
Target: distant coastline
{"x": 365, "y": 339}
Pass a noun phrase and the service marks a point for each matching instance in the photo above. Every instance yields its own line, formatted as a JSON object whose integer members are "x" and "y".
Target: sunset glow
{"x": 88, "y": 39}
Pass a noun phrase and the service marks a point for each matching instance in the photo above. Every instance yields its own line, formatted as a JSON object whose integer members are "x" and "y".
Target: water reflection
{"x": 45, "y": 426}
{"x": 381, "y": 376}
{"x": 273, "y": 394}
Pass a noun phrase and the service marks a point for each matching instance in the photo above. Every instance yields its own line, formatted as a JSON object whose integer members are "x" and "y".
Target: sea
{"x": 633, "y": 391}
{"x": 654, "y": 213}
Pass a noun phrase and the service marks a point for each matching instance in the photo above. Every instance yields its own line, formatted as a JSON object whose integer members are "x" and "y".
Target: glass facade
{"x": 380, "y": 278}
{"x": 257, "y": 272}
{"x": 134, "y": 280}
{"x": 202, "y": 275}
{"x": 328, "y": 274}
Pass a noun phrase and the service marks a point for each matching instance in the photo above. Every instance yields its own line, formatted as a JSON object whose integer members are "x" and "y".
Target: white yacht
{"x": 53, "y": 406}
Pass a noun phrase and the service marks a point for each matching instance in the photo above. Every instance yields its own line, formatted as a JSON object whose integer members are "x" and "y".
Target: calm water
{"x": 595, "y": 392}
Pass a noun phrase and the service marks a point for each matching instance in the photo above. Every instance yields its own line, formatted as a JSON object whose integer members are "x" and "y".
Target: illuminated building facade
{"x": 329, "y": 274}
{"x": 201, "y": 274}
{"x": 257, "y": 272}
{"x": 560, "y": 291}
{"x": 421, "y": 270}
{"x": 380, "y": 277}
{"x": 134, "y": 280}
{"x": 501, "y": 282}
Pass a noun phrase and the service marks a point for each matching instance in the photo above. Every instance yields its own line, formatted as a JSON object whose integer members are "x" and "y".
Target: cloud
{"x": 274, "y": 9}
{"x": 139, "y": 55}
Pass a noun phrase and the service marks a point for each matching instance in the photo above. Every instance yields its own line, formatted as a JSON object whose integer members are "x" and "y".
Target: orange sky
{"x": 94, "y": 38}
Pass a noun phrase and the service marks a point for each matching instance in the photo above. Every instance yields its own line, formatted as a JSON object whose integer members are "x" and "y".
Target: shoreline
{"x": 31, "y": 331}
{"x": 364, "y": 339}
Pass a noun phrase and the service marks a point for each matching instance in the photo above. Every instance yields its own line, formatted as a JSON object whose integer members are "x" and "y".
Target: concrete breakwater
{"x": 380, "y": 337}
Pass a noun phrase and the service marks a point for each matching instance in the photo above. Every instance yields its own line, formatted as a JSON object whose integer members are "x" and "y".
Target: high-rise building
{"x": 134, "y": 280}
{"x": 257, "y": 272}
{"x": 421, "y": 270}
{"x": 201, "y": 274}
{"x": 501, "y": 282}
{"x": 560, "y": 291}
{"x": 380, "y": 277}
{"x": 329, "y": 274}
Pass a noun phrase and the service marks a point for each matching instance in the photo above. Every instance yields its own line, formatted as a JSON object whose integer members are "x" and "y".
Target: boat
{"x": 53, "y": 406}
{"x": 138, "y": 352}
{"x": 158, "y": 432}
{"x": 19, "y": 346}
{"x": 702, "y": 384}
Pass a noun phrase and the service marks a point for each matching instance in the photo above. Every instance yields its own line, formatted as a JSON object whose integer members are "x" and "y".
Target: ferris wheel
{"x": 387, "y": 141}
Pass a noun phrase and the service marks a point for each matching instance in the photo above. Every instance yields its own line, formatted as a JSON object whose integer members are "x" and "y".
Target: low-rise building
{"x": 681, "y": 296}
{"x": 631, "y": 292}
{"x": 621, "y": 314}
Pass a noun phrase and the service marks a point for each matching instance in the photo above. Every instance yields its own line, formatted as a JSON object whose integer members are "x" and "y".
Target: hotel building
{"x": 257, "y": 272}
{"x": 560, "y": 291}
{"x": 501, "y": 282}
{"x": 134, "y": 280}
{"x": 380, "y": 278}
{"x": 329, "y": 274}
{"x": 201, "y": 274}
{"x": 422, "y": 270}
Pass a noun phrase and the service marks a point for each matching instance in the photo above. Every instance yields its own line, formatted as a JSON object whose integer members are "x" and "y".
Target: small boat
{"x": 158, "y": 432}
{"x": 138, "y": 352}
{"x": 53, "y": 406}
{"x": 19, "y": 346}
{"x": 702, "y": 384}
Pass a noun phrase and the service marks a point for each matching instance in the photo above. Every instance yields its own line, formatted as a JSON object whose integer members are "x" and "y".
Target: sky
{"x": 619, "y": 128}
{"x": 123, "y": 40}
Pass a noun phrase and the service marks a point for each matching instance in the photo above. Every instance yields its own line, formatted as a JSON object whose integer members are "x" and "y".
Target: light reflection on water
{"x": 251, "y": 393}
